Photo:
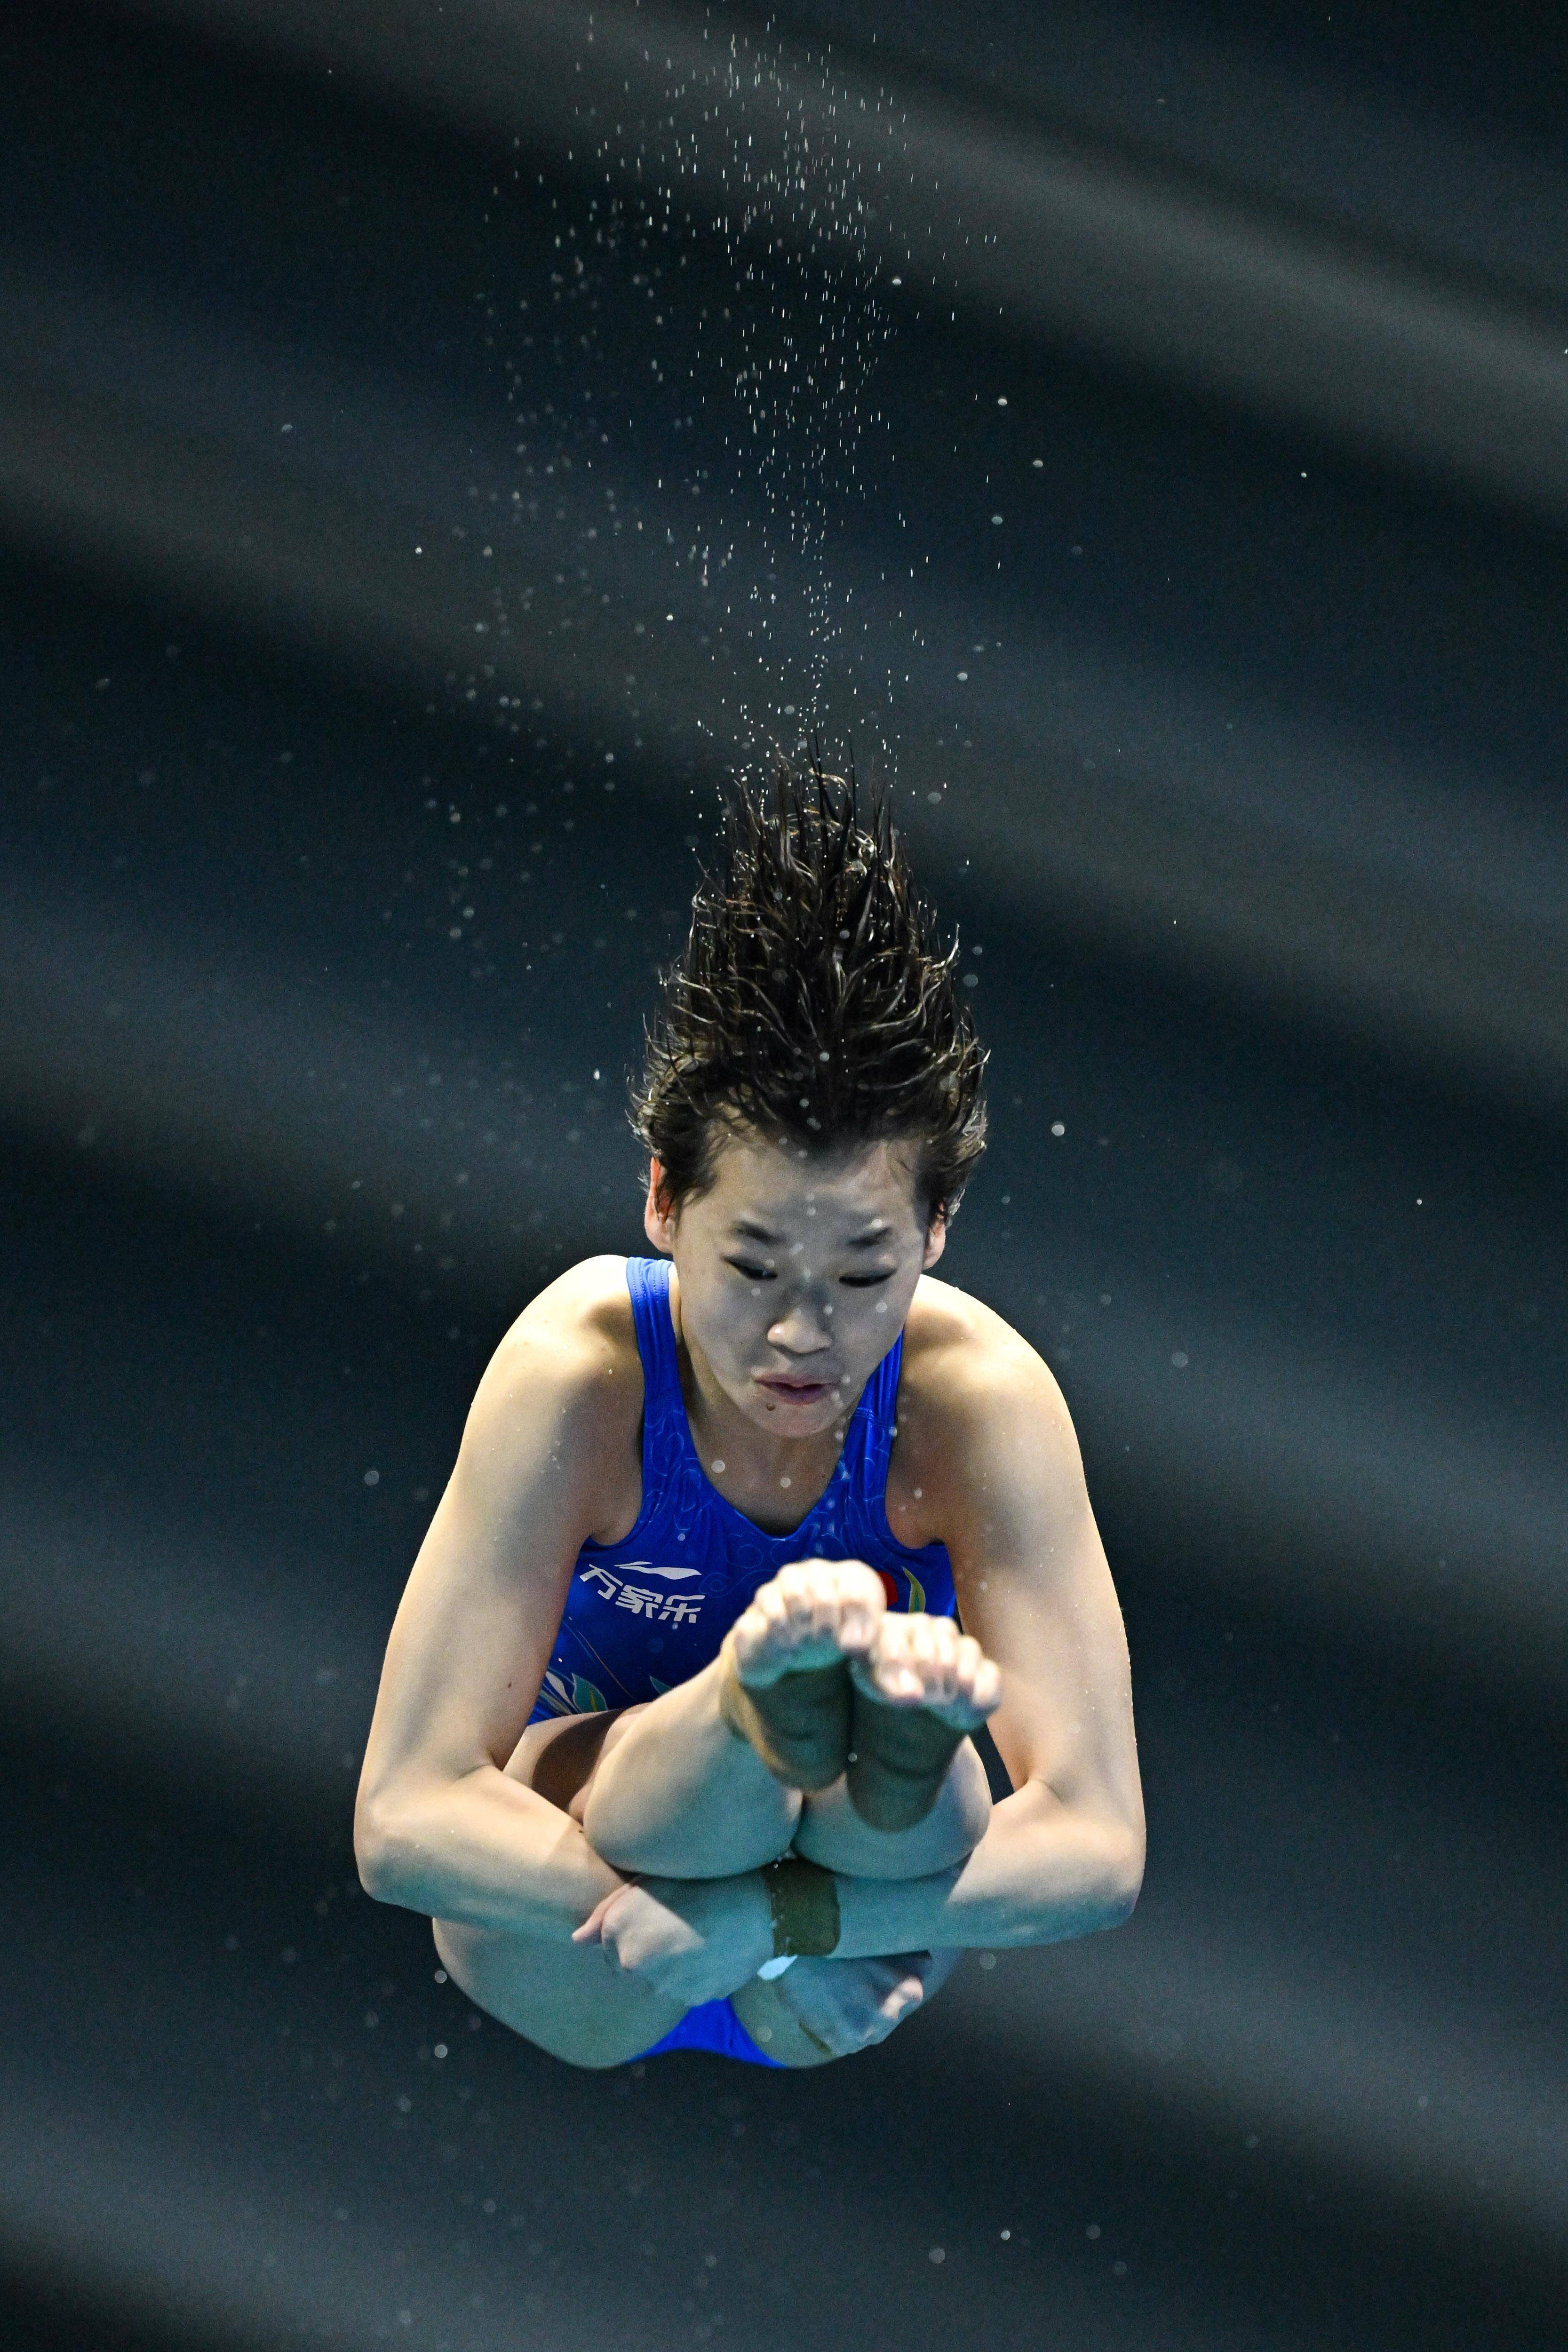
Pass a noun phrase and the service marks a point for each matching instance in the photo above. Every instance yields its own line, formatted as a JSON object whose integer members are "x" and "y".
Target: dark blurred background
{"x": 435, "y": 440}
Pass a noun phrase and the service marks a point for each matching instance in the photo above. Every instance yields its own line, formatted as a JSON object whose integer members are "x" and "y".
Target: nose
{"x": 799, "y": 1332}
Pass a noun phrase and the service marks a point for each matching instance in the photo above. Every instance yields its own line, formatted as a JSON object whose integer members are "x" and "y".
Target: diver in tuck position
{"x": 673, "y": 1734}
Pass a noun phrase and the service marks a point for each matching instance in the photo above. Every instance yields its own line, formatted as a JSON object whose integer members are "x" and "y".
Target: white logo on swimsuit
{"x": 670, "y": 1608}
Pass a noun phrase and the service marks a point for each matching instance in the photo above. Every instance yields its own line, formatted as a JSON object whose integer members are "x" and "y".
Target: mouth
{"x": 797, "y": 1391}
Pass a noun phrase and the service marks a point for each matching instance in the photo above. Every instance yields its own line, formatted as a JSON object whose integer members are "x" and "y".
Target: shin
{"x": 832, "y": 1833}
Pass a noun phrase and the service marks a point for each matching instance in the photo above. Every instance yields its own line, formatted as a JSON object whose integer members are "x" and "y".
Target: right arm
{"x": 438, "y": 1826}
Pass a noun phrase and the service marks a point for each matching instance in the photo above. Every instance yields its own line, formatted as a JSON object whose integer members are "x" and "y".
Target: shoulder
{"x": 579, "y": 1334}
{"x": 977, "y": 1404}
{"x": 956, "y": 1348}
{"x": 588, "y": 1306}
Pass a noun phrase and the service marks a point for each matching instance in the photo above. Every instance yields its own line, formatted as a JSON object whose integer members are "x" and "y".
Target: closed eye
{"x": 852, "y": 1281}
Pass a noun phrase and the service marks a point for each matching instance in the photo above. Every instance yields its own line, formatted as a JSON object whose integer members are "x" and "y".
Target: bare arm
{"x": 1064, "y": 1855}
{"x": 439, "y": 1827}
{"x": 1040, "y": 1875}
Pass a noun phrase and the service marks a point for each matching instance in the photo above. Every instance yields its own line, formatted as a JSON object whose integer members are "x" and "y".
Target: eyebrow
{"x": 756, "y": 1232}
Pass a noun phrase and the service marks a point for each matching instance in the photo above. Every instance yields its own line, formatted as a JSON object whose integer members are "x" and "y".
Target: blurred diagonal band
{"x": 1052, "y": 235}
{"x": 1159, "y": 852}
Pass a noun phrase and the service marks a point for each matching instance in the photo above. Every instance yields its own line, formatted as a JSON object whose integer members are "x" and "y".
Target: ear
{"x": 936, "y": 1240}
{"x": 657, "y": 1225}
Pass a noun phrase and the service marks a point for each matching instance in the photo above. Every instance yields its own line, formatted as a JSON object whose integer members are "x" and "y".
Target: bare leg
{"x": 705, "y": 1782}
{"x": 917, "y": 1692}
{"x": 833, "y": 1833}
{"x": 673, "y": 1789}
{"x": 560, "y": 1995}
{"x": 829, "y": 2009}
{"x": 675, "y": 1794}
{"x": 700, "y": 1785}
{"x": 563, "y": 1997}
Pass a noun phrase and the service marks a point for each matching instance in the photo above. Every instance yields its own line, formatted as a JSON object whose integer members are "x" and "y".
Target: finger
{"x": 592, "y": 1929}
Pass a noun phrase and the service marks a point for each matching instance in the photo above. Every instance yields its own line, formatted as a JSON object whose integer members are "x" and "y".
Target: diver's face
{"x": 795, "y": 1276}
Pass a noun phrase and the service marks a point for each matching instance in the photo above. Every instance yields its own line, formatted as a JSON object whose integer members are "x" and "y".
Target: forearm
{"x": 1040, "y": 1875}
{"x": 490, "y": 1853}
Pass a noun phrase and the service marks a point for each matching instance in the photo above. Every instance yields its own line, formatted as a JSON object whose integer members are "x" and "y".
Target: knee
{"x": 968, "y": 1792}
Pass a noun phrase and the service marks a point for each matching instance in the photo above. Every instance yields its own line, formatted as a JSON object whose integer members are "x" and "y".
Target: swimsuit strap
{"x": 648, "y": 1279}
{"x": 666, "y": 1437}
{"x": 876, "y": 1417}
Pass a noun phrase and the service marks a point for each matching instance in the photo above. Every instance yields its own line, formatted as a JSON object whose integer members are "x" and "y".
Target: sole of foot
{"x": 784, "y": 1669}
{"x": 916, "y": 1695}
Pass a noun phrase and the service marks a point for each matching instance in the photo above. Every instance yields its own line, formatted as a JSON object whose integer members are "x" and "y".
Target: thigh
{"x": 564, "y": 1997}
{"x": 559, "y": 1758}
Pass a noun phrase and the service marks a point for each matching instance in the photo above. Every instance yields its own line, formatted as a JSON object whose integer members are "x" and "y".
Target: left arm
{"x": 1064, "y": 1854}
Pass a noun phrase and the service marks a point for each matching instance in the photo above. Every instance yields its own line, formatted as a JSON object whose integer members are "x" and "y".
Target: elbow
{"x": 380, "y": 1852}
{"x": 1124, "y": 1878}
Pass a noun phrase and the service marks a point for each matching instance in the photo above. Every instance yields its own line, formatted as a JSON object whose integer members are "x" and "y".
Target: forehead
{"x": 768, "y": 1185}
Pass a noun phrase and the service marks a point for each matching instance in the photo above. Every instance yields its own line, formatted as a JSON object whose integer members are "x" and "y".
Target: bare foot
{"x": 920, "y": 1689}
{"x": 784, "y": 1668}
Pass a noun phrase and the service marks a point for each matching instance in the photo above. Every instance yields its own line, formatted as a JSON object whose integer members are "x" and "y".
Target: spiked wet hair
{"x": 808, "y": 1007}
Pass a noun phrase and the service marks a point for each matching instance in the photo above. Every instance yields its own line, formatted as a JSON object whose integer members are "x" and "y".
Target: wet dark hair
{"x": 808, "y": 1005}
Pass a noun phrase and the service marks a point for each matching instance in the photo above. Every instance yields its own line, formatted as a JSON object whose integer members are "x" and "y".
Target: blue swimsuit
{"x": 650, "y": 1612}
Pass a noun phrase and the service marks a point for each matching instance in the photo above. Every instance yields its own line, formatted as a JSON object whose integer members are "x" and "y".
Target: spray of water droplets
{"x": 772, "y": 168}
